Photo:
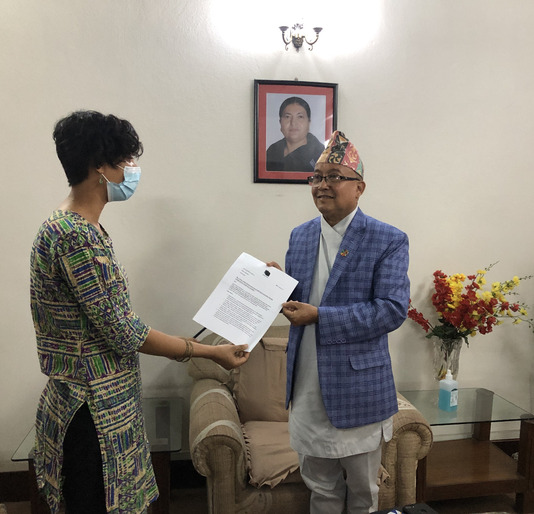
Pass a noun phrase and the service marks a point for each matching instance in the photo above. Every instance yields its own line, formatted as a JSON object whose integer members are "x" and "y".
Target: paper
{"x": 246, "y": 301}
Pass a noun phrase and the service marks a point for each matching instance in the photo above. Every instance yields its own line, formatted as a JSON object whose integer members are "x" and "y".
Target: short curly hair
{"x": 86, "y": 139}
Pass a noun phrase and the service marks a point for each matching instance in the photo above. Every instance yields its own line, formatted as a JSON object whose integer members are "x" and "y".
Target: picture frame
{"x": 274, "y": 161}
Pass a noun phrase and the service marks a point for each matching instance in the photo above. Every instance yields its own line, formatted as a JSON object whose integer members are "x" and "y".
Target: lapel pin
{"x": 344, "y": 253}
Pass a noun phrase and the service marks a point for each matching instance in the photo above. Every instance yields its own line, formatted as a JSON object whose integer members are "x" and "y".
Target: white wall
{"x": 436, "y": 95}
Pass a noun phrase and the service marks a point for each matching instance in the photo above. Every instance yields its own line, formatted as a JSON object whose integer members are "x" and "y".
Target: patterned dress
{"x": 87, "y": 342}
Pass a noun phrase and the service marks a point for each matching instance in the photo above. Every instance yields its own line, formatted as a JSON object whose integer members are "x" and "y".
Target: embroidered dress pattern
{"x": 87, "y": 342}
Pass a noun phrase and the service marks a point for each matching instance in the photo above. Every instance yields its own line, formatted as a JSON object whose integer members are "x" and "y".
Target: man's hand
{"x": 273, "y": 264}
{"x": 300, "y": 313}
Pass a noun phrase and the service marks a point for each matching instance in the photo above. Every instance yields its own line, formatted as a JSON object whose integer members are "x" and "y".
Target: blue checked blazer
{"x": 365, "y": 298}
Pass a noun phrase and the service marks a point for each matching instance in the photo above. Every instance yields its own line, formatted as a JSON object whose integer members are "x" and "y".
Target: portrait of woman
{"x": 292, "y": 122}
{"x": 299, "y": 149}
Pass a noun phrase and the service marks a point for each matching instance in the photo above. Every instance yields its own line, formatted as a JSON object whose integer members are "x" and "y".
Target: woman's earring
{"x": 100, "y": 181}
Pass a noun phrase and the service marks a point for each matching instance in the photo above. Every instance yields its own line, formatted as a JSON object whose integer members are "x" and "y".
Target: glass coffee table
{"x": 475, "y": 466}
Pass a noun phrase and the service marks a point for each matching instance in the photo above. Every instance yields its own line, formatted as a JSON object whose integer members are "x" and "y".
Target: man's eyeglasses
{"x": 334, "y": 178}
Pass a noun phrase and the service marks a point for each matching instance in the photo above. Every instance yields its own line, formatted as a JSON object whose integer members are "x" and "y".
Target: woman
{"x": 91, "y": 446}
{"x": 299, "y": 149}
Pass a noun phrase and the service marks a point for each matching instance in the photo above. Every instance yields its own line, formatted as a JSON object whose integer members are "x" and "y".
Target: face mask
{"x": 124, "y": 190}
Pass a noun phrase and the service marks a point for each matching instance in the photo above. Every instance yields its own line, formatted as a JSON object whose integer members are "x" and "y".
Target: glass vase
{"x": 446, "y": 356}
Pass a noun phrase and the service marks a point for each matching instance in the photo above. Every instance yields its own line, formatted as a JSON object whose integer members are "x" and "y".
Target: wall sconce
{"x": 297, "y": 38}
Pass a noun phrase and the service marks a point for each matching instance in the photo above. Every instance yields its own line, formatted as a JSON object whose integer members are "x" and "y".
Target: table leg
{"x": 38, "y": 504}
{"x": 525, "y": 466}
{"x": 484, "y": 410}
{"x": 482, "y": 431}
{"x": 161, "y": 462}
{"x": 420, "y": 482}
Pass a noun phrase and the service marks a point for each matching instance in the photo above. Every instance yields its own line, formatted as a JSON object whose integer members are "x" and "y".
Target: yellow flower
{"x": 516, "y": 321}
{"x": 486, "y": 296}
{"x": 499, "y": 296}
{"x": 456, "y": 279}
{"x": 508, "y": 285}
{"x": 523, "y": 311}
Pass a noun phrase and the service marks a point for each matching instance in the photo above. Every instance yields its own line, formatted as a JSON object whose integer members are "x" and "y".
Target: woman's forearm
{"x": 175, "y": 347}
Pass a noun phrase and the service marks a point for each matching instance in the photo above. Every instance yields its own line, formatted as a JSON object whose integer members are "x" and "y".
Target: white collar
{"x": 340, "y": 227}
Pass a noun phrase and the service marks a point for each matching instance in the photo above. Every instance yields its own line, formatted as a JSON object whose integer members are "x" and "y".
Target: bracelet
{"x": 188, "y": 352}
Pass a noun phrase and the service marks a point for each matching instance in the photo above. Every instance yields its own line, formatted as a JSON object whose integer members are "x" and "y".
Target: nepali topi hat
{"x": 341, "y": 151}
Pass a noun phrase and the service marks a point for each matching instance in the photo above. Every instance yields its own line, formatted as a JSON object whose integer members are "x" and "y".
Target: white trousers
{"x": 347, "y": 485}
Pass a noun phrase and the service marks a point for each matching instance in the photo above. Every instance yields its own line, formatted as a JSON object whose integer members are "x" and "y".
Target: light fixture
{"x": 297, "y": 37}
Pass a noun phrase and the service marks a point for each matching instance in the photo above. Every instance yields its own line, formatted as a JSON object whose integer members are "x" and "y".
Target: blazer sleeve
{"x": 359, "y": 313}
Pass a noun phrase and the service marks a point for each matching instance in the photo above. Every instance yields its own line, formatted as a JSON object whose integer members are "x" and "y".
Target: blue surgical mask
{"x": 124, "y": 190}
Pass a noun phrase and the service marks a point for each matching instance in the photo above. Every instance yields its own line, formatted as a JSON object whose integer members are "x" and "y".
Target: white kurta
{"x": 311, "y": 432}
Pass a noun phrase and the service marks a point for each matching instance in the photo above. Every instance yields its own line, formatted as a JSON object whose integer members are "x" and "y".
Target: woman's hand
{"x": 300, "y": 313}
{"x": 230, "y": 356}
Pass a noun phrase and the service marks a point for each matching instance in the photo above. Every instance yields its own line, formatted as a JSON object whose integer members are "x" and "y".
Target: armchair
{"x": 239, "y": 436}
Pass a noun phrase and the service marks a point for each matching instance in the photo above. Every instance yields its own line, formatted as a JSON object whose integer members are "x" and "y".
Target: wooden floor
{"x": 193, "y": 501}
{"x": 188, "y": 496}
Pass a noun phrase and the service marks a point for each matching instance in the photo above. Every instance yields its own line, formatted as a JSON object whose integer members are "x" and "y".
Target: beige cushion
{"x": 270, "y": 459}
{"x": 260, "y": 383}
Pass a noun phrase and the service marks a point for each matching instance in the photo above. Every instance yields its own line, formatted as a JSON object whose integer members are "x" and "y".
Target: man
{"x": 353, "y": 290}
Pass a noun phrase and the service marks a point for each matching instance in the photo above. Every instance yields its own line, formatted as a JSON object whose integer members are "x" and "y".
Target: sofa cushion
{"x": 260, "y": 383}
{"x": 270, "y": 459}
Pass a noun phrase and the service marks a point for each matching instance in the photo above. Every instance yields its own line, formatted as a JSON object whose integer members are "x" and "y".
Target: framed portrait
{"x": 293, "y": 121}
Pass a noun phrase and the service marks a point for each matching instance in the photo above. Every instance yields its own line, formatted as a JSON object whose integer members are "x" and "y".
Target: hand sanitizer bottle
{"x": 448, "y": 393}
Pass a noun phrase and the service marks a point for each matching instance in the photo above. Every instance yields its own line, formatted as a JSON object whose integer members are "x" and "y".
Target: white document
{"x": 246, "y": 301}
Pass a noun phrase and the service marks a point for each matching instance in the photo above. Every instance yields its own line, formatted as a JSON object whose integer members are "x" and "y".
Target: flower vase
{"x": 446, "y": 356}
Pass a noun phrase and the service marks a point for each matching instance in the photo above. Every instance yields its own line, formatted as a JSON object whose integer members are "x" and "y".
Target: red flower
{"x": 416, "y": 316}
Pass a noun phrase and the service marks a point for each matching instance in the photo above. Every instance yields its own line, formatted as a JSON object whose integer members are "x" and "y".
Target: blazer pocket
{"x": 361, "y": 361}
